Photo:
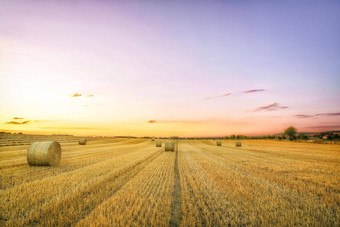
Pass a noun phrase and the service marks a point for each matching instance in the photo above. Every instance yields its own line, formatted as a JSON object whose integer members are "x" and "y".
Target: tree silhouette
{"x": 290, "y": 133}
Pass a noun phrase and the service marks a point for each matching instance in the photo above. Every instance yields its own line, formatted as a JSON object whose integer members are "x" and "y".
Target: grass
{"x": 130, "y": 182}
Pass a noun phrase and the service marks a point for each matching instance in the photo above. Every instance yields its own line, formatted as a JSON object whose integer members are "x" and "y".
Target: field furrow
{"x": 145, "y": 200}
{"x": 80, "y": 203}
{"x": 131, "y": 182}
{"x": 25, "y": 201}
{"x": 261, "y": 199}
{"x": 203, "y": 204}
{"x": 73, "y": 158}
{"x": 304, "y": 177}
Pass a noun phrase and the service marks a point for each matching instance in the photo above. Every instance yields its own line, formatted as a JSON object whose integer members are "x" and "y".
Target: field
{"x": 131, "y": 182}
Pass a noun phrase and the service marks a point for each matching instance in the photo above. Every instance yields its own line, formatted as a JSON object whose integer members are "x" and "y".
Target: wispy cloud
{"x": 228, "y": 94}
{"x": 270, "y": 107}
{"x": 224, "y": 95}
{"x": 303, "y": 116}
{"x": 189, "y": 121}
{"x": 328, "y": 114}
{"x": 17, "y": 122}
{"x": 75, "y": 95}
{"x": 253, "y": 91}
{"x": 217, "y": 96}
{"x": 317, "y": 115}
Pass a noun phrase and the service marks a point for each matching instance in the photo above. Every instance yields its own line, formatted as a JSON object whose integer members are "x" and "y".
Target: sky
{"x": 169, "y": 68}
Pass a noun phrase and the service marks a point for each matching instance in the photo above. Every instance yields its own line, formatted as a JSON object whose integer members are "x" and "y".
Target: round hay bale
{"x": 219, "y": 143}
{"x": 159, "y": 144}
{"x": 82, "y": 141}
{"x": 238, "y": 144}
{"x": 46, "y": 153}
{"x": 169, "y": 146}
{"x": 153, "y": 138}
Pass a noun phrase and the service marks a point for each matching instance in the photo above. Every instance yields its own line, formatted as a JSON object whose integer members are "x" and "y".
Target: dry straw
{"x": 46, "y": 153}
{"x": 238, "y": 144}
{"x": 159, "y": 144}
{"x": 169, "y": 146}
{"x": 82, "y": 141}
{"x": 219, "y": 143}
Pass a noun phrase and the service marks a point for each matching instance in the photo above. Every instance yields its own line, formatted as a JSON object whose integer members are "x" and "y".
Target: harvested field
{"x": 127, "y": 182}
{"x": 24, "y": 139}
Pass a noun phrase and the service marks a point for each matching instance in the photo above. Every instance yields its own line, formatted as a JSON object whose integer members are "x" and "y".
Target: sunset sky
{"x": 169, "y": 68}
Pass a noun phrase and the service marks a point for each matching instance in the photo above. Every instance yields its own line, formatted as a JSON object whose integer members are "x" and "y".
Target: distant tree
{"x": 270, "y": 137}
{"x": 330, "y": 137}
{"x": 290, "y": 133}
{"x": 232, "y": 137}
{"x": 322, "y": 134}
{"x": 302, "y": 136}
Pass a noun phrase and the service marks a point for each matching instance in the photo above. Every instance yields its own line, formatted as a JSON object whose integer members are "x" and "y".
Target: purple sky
{"x": 186, "y": 65}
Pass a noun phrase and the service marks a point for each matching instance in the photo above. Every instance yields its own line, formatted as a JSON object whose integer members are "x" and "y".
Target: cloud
{"x": 90, "y": 96}
{"x": 303, "y": 116}
{"x": 75, "y": 95}
{"x": 253, "y": 91}
{"x": 228, "y": 94}
{"x": 18, "y": 118}
{"x": 270, "y": 107}
{"x": 317, "y": 115}
{"x": 17, "y": 122}
{"x": 25, "y": 122}
{"x": 328, "y": 114}
{"x": 218, "y": 96}
{"x": 175, "y": 121}
{"x": 224, "y": 95}
{"x": 188, "y": 121}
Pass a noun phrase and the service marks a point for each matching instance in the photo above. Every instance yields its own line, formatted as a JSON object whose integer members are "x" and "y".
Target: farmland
{"x": 131, "y": 182}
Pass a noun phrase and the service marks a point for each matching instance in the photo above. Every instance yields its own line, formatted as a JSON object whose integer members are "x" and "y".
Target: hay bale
{"x": 159, "y": 144}
{"x": 169, "y": 146}
{"x": 238, "y": 144}
{"x": 82, "y": 141}
{"x": 219, "y": 143}
{"x": 46, "y": 153}
{"x": 153, "y": 138}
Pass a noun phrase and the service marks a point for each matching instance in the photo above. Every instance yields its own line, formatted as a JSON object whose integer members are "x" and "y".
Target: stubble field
{"x": 131, "y": 182}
